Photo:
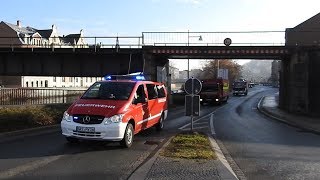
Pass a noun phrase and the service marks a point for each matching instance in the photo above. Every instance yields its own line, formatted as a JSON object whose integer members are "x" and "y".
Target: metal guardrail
{"x": 32, "y": 96}
{"x": 239, "y": 38}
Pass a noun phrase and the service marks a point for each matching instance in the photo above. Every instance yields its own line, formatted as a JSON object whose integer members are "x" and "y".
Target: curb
{"x": 142, "y": 171}
{"x": 275, "y": 117}
{"x": 224, "y": 169}
{"x": 52, "y": 128}
{"x": 267, "y": 113}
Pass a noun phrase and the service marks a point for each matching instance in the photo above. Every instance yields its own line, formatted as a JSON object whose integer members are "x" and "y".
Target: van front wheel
{"x": 128, "y": 137}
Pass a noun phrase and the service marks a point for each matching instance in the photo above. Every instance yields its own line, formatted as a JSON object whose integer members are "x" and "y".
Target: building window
{"x": 76, "y": 79}
{"x": 46, "y": 83}
{"x": 41, "y": 83}
{"x": 63, "y": 79}
{"x": 54, "y": 79}
{"x": 31, "y": 83}
{"x": 71, "y": 79}
{"x": 37, "y": 83}
{"x": 27, "y": 84}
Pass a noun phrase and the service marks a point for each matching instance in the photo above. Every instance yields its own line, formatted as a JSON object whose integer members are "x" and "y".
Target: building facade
{"x": 15, "y": 35}
{"x": 307, "y": 33}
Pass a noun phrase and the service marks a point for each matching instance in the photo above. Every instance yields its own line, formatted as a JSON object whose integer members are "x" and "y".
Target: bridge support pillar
{"x": 300, "y": 86}
{"x": 157, "y": 68}
{"x": 314, "y": 83}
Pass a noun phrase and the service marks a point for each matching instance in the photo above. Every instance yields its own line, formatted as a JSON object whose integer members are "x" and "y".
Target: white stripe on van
{"x": 152, "y": 117}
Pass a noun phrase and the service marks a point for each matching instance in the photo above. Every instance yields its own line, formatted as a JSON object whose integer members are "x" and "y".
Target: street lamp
{"x": 200, "y": 39}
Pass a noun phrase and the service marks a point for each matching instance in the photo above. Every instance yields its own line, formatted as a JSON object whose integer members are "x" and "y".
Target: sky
{"x": 132, "y": 17}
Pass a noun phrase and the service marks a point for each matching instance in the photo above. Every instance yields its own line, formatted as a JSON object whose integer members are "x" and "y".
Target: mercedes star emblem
{"x": 86, "y": 119}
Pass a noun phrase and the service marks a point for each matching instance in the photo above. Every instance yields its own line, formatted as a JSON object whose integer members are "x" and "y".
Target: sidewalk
{"x": 161, "y": 168}
{"x": 269, "y": 106}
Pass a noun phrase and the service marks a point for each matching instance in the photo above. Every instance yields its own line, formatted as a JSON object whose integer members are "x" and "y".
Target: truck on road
{"x": 240, "y": 87}
{"x": 214, "y": 91}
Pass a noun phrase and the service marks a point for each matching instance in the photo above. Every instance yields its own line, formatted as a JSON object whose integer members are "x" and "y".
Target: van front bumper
{"x": 110, "y": 132}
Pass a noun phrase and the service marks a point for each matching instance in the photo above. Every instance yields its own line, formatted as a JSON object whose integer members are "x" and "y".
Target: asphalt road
{"x": 264, "y": 148}
{"x": 261, "y": 147}
{"x": 47, "y": 155}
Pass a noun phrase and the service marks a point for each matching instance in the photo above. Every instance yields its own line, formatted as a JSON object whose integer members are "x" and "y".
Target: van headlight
{"x": 67, "y": 117}
{"x": 114, "y": 119}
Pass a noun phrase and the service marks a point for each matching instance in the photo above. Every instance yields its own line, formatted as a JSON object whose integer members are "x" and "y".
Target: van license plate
{"x": 85, "y": 129}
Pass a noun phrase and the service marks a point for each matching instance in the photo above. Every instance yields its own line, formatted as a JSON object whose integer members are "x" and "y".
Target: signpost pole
{"x": 192, "y": 95}
{"x": 192, "y": 87}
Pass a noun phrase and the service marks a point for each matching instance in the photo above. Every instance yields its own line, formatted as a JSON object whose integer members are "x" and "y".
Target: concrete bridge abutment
{"x": 300, "y": 82}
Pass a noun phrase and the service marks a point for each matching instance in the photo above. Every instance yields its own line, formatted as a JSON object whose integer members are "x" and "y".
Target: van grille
{"x": 87, "y": 119}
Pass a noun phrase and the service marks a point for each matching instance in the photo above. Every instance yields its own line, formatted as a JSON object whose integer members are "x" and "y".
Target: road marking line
{"x": 188, "y": 129}
{"x": 28, "y": 167}
{"x": 184, "y": 126}
{"x": 211, "y": 125}
{"x": 200, "y": 123}
{"x": 200, "y": 127}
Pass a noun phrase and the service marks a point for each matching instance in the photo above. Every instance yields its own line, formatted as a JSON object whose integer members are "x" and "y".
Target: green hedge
{"x": 22, "y": 117}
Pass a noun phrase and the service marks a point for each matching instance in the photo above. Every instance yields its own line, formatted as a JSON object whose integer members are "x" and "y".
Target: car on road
{"x": 116, "y": 109}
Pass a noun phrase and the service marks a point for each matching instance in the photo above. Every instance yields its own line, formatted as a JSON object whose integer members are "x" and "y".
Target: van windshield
{"x": 109, "y": 90}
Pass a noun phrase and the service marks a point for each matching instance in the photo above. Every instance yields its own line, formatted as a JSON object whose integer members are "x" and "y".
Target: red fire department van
{"x": 116, "y": 109}
{"x": 214, "y": 91}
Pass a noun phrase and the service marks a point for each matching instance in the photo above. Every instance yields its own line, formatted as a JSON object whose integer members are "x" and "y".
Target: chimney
{"x": 18, "y": 23}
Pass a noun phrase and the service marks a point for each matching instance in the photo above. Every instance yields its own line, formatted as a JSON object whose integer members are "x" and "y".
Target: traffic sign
{"x": 192, "y": 86}
{"x": 227, "y": 41}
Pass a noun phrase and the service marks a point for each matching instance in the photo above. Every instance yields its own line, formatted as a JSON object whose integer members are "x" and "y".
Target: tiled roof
{"x": 71, "y": 38}
{"x": 46, "y": 33}
{"x": 27, "y": 30}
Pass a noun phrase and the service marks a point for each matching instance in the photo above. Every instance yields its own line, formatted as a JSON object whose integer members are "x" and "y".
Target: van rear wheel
{"x": 128, "y": 137}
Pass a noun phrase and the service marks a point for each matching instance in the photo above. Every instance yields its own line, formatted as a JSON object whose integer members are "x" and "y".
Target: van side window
{"x": 161, "y": 92}
{"x": 152, "y": 91}
{"x": 140, "y": 94}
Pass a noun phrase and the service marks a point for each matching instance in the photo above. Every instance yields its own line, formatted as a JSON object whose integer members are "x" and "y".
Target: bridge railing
{"x": 240, "y": 38}
{"x": 31, "y": 96}
{"x": 66, "y": 42}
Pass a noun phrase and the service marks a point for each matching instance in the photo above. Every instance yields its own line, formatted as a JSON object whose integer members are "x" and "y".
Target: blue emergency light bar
{"x": 134, "y": 76}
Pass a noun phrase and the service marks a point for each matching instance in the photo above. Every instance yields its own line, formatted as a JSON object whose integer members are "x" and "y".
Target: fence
{"x": 239, "y": 38}
{"x": 30, "y": 96}
{"x": 87, "y": 42}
